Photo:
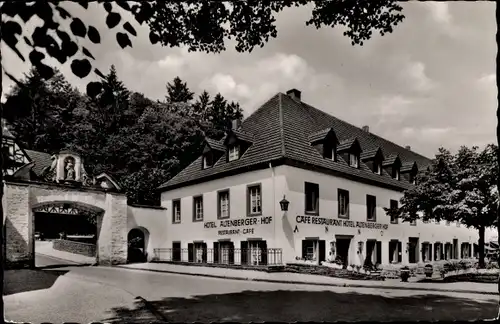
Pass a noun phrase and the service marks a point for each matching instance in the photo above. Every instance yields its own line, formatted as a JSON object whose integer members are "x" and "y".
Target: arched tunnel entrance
{"x": 138, "y": 239}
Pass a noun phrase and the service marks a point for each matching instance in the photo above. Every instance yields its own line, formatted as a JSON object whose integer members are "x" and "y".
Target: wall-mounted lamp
{"x": 284, "y": 204}
{"x": 381, "y": 233}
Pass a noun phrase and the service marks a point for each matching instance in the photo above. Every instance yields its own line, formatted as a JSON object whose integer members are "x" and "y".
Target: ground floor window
{"x": 254, "y": 252}
{"x": 413, "y": 249}
{"x": 448, "y": 251}
{"x": 342, "y": 250}
{"x": 313, "y": 250}
{"x": 476, "y": 250}
{"x": 395, "y": 255}
{"x": 438, "y": 251}
{"x": 426, "y": 252}
{"x": 373, "y": 253}
{"x": 224, "y": 252}
{"x": 197, "y": 252}
{"x": 465, "y": 250}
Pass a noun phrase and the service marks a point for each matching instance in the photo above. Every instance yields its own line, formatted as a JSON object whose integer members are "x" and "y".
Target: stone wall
{"x": 75, "y": 247}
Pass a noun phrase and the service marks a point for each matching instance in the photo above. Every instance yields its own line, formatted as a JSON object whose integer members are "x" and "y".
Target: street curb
{"x": 311, "y": 283}
{"x": 61, "y": 259}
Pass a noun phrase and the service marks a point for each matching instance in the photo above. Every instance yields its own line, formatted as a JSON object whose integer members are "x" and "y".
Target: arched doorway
{"x": 137, "y": 239}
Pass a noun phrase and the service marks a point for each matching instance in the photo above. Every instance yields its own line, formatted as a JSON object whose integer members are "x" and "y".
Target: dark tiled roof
{"x": 390, "y": 160}
{"x": 319, "y": 135}
{"x": 346, "y": 144}
{"x": 408, "y": 166}
{"x": 370, "y": 154}
{"x": 281, "y": 129}
{"x": 215, "y": 145}
{"x": 41, "y": 159}
{"x": 242, "y": 135}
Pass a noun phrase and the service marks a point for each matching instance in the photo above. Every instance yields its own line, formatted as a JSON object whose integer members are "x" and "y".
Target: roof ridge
{"x": 369, "y": 133}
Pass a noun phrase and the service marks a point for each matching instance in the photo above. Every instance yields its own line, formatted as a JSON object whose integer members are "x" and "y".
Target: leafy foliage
{"x": 456, "y": 188}
{"x": 199, "y": 25}
{"x": 140, "y": 142}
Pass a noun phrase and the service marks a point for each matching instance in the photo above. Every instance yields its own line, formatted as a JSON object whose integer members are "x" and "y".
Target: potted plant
{"x": 428, "y": 270}
{"x": 405, "y": 274}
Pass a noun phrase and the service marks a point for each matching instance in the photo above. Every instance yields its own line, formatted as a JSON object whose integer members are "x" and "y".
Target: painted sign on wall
{"x": 238, "y": 226}
{"x": 338, "y": 222}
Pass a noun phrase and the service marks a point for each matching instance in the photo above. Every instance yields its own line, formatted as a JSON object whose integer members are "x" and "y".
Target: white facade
{"x": 299, "y": 235}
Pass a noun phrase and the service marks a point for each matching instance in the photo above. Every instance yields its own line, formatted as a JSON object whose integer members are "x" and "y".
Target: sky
{"x": 429, "y": 84}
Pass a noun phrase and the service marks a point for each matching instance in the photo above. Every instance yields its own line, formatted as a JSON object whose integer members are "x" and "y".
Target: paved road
{"x": 86, "y": 294}
{"x": 46, "y": 261}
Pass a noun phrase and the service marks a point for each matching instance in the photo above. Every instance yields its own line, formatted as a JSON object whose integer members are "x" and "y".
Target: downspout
{"x": 274, "y": 201}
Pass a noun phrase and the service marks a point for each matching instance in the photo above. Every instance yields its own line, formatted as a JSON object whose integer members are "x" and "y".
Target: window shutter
{"x": 190, "y": 252}
{"x": 264, "y": 251}
{"x": 400, "y": 253}
{"x": 216, "y": 252}
{"x": 231, "y": 252}
{"x": 322, "y": 251}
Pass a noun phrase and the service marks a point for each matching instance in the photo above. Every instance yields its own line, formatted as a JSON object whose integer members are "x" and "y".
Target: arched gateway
{"x": 63, "y": 187}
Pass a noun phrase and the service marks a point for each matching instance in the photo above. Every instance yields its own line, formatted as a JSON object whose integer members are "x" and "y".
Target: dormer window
{"x": 395, "y": 173}
{"x": 325, "y": 141}
{"x": 329, "y": 153}
{"x": 353, "y": 160}
{"x": 377, "y": 168}
{"x": 234, "y": 152}
{"x": 207, "y": 161}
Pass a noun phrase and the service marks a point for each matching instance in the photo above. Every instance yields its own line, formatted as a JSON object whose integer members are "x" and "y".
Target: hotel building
{"x": 336, "y": 179}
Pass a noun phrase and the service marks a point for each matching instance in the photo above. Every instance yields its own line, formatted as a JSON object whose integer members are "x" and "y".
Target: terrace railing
{"x": 250, "y": 257}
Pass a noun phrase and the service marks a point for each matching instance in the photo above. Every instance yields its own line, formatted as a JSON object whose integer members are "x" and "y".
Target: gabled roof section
{"x": 5, "y": 130}
{"x": 281, "y": 131}
{"x": 372, "y": 154}
{"x": 409, "y": 167}
{"x": 41, "y": 159}
{"x": 239, "y": 134}
{"x": 215, "y": 145}
{"x": 348, "y": 144}
{"x": 392, "y": 160}
{"x": 321, "y": 135}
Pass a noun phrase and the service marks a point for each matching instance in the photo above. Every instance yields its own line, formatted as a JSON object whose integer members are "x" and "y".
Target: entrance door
{"x": 226, "y": 254}
{"x": 378, "y": 246}
{"x": 176, "y": 251}
{"x": 343, "y": 250}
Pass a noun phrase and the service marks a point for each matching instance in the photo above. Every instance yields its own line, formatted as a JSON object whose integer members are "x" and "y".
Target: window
{"x": 234, "y": 152}
{"x": 198, "y": 208}
{"x": 413, "y": 179}
{"x": 207, "y": 160}
{"x": 426, "y": 252}
{"x": 254, "y": 200}
{"x": 377, "y": 168}
{"x": 353, "y": 160}
{"x": 312, "y": 198}
{"x": 393, "y": 204}
{"x": 343, "y": 199}
{"x": 329, "y": 152}
{"x": 395, "y": 255}
{"x": 176, "y": 211}
{"x": 395, "y": 173}
{"x": 223, "y": 204}
{"x": 371, "y": 208}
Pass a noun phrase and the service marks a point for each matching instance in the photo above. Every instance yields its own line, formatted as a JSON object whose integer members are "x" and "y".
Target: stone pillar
{"x": 18, "y": 222}
{"x": 385, "y": 252}
{"x": 113, "y": 231}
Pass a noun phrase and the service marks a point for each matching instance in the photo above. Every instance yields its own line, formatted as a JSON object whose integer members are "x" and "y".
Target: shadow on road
{"x": 17, "y": 281}
{"x": 291, "y": 306}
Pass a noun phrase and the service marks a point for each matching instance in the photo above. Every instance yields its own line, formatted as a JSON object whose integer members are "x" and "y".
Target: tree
{"x": 457, "y": 188}
{"x": 178, "y": 91}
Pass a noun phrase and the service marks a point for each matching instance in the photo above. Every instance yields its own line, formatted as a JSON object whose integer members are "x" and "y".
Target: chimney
{"x": 408, "y": 147}
{"x": 366, "y": 129}
{"x": 236, "y": 123}
{"x": 294, "y": 94}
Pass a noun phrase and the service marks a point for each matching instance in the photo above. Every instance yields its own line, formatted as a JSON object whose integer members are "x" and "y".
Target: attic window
{"x": 412, "y": 179}
{"x": 329, "y": 152}
{"x": 208, "y": 160}
{"x": 377, "y": 167}
{"x": 353, "y": 160}
{"x": 234, "y": 152}
{"x": 395, "y": 173}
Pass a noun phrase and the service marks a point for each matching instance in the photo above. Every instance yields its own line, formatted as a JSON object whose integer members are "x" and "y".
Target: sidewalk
{"x": 45, "y": 248}
{"x": 305, "y": 279}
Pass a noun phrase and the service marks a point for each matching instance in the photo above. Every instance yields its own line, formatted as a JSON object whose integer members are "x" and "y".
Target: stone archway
{"x": 72, "y": 227}
{"x": 138, "y": 240}
{"x": 23, "y": 200}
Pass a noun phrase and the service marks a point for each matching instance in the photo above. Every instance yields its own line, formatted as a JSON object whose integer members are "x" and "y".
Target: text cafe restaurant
{"x": 293, "y": 178}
